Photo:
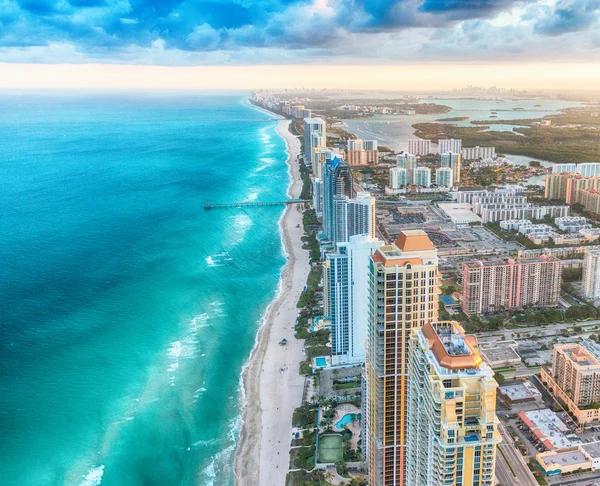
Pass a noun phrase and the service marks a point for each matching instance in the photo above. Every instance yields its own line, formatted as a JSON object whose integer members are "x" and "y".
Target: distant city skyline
{"x": 423, "y": 77}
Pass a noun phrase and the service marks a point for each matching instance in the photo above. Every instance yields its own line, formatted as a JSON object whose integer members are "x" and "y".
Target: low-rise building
{"x": 564, "y": 461}
{"x": 572, "y": 224}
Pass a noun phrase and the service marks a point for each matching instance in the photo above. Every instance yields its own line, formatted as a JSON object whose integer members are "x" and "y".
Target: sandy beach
{"x": 273, "y": 387}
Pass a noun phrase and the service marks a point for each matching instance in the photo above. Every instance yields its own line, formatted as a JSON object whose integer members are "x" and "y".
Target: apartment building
{"x": 496, "y": 285}
{"x": 450, "y": 145}
{"x": 476, "y": 153}
{"x": 345, "y": 286}
{"x": 452, "y": 423}
{"x": 590, "y": 281}
{"x": 575, "y": 380}
{"x": 419, "y": 146}
{"x": 403, "y": 296}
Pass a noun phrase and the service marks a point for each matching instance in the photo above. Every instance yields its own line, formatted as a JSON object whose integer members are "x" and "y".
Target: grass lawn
{"x": 330, "y": 448}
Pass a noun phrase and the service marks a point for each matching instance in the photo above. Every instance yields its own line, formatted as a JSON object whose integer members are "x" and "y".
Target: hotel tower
{"x": 452, "y": 423}
{"x": 403, "y": 296}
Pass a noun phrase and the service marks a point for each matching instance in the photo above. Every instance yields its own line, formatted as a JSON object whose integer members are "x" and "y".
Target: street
{"x": 508, "y": 452}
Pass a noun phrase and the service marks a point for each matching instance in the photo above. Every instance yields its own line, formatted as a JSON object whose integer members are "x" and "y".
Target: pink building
{"x": 497, "y": 285}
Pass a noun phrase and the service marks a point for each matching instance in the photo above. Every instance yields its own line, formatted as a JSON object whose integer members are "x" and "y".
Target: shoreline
{"x": 271, "y": 385}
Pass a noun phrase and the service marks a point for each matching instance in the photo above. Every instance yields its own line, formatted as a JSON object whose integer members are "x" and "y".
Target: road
{"x": 504, "y": 475}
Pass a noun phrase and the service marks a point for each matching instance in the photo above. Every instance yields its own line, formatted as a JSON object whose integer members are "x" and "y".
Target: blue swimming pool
{"x": 321, "y": 362}
{"x": 347, "y": 419}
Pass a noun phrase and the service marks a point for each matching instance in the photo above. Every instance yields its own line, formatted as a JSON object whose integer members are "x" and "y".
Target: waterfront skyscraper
{"x": 443, "y": 177}
{"x": 419, "y": 146}
{"x": 590, "y": 281}
{"x": 403, "y": 295}
{"x": 345, "y": 285}
{"x": 337, "y": 181}
{"x": 311, "y": 125}
{"x": 450, "y": 145}
{"x": 352, "y": 217}
{"x": 452, "y": 424}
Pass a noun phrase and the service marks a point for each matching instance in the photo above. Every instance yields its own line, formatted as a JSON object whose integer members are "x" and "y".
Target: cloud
{"x": 568, "y": 16}
{"x": 238, "y": 31}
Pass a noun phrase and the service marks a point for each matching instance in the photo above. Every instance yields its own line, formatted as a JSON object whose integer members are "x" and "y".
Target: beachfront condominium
{"x": 337, "y": 181}
{"x": 452, "y": 160}
{"x": 443, "y": 177}
{"x": 345, "y": 286}
{"x": 317, "y": 159}
{"x": 476, "y": 153}
{"x": 590, "y": 281}
{"x": 419, "y": 146}
{"x": 403, "y": 296}
{"x": 317, "y": 196}
{"x": 398, "y": 178}
{"x": 450, "y": 145}
{"x": 408, "y": 162}
{"x": 452, "y": 423}
{"x": 497, "y": 285}
{"x": 351, "y": 217}
{"x": 422, "y": 177}
{"x": 311, "y": 125}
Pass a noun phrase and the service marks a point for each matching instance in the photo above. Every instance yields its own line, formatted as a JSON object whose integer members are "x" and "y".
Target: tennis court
{"x": 330, "y": 448}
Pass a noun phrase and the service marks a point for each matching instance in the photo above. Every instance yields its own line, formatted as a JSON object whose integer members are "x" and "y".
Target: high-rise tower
{"x": 403, "y": 296}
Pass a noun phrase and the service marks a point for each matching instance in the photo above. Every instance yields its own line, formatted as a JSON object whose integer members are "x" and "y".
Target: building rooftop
{"x": 593, "y": 449}
{"x": 579, "y": 355}
{"x": 451, "y": 347}
{"x": 414, "y": 240}
{"x": 567, "y": 458}
{"x": 546, "y": 424}
{"x": 522, "y": 391}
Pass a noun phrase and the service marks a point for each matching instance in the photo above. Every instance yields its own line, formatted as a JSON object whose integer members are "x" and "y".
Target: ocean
{"x": 127, "y": 311}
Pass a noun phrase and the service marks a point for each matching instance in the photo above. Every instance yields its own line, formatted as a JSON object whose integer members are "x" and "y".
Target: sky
{"x": 315, "y": 43}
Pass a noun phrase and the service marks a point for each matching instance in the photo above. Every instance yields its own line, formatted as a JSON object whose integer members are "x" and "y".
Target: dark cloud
{"x": 569, "y": 16}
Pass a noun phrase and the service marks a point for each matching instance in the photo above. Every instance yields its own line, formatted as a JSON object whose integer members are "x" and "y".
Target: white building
{"x": 310, "y": 125}
{"x": 452, "y": 160}
{"x": 408, "y": 162}
{"x": 398, "y": 177}
{"x": 591, "y": 169}
{"x": 346, "y": 283}
{"x": 318, "y": 157}
{"x": 370, "y": 145}
{"x": 355, "y": 144}
{"x": 353, "y": 217}
{"x": 450, "y": 145}
{"x": 560, "y": 168}
{"x": 422, "y": 177}
{"x": 535, "y": 229}
{"x": 317, "y": 196}
{"x": 513, "y": 224}
{"x": 444, "y": 177}
{"x": 495, "y": 213}
{"x": 419, "y": 146}
{"x": 572, "y": 224}
{"x": 590, "y": 281}
{"x": 476, "y": 153}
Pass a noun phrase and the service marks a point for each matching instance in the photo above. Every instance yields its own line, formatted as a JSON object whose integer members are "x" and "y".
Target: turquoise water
{"x": 127, "y": 311}
{"x": 321, "y": 361}
{"x": 347, "y": 419}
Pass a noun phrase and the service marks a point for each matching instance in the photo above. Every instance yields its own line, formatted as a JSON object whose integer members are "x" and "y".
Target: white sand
{"x": 262, "y": 457}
